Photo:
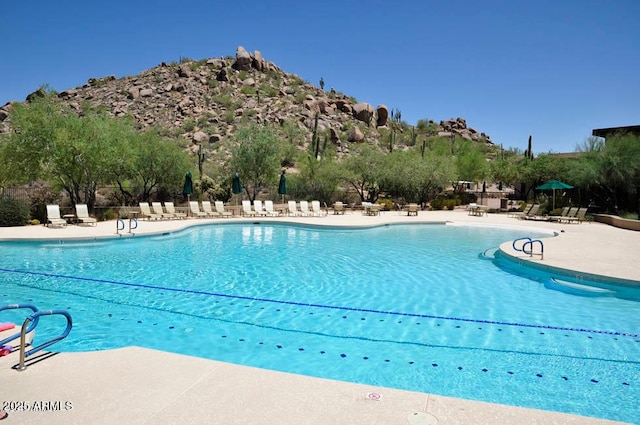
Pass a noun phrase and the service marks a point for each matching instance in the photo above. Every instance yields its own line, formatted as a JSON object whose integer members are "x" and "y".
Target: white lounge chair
{"x": 206, "y": 207}
{"x": 268, "y": 207}
{"x": 304, "y": 209}
{"x": 195, "y": 210}
{"x": 258, "y": 208}
{"x": 145, "y": 212}
{"x": 53, "y": 216}
{"x": 292, "y": 209}
{"x": 220, "y": 209}
{"x": 246, "y": 209}
{"x": 157, "y": 209}
{"x": 82, "y": 215}
{"x": 316, "y": 210}
{"x": 171, "y": 209}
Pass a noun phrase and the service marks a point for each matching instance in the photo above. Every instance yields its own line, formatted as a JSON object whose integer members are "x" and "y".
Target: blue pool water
{"x": 416, "y": 307}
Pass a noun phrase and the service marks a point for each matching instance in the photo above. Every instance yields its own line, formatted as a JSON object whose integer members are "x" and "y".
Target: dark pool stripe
{"x": 365, "y": 310}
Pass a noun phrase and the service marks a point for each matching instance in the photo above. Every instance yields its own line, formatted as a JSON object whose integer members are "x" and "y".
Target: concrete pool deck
{"x": 141, "y": 386}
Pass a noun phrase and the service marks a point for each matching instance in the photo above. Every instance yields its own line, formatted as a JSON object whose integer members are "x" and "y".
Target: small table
{"x": 70, "y": 218}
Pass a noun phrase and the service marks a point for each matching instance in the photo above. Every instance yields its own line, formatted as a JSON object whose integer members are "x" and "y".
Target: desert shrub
{"x": 248, "y": 90}
{"x": 13, "y": 212}
{"x": 387, "y": 204}
{"x": 437, "y": 203}
{"x": 108, "y": 214}
{"x": 35, "y": 222}
{"x": 450, "y": 204}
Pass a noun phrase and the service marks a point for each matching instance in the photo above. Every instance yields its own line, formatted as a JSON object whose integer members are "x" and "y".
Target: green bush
{"x": 13, "y": 212}
{"x": 450, "y": 204}
{"x": 437, "y": 204}
{"x": 386, "y": 204}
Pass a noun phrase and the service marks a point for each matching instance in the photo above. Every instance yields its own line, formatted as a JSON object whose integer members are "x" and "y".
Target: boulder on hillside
{"x": 258, "y": 61}
{"x": 383, "y": 115}
{"x": 200, "y": 137}
{"x": 356, "y": 134}
{"x": 243, "y": 59}
{"x": 222, "y": 75}
{"x": 184, "y": 70}
{"x": 363, "y": 112}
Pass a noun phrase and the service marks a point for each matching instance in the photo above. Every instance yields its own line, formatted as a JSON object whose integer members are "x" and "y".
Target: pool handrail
{"x": 23, "y": 335}
{"x": 529, "y": 243}
{"x": 34, "y": 323}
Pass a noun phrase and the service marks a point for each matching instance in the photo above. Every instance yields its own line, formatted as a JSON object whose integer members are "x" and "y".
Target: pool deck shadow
{"x": 134, "y": 385}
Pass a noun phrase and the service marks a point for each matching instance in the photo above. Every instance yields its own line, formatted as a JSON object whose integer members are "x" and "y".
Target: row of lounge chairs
{"x": 157, "y": 212}
{"x": 568, "y": 214}
{"x": 54, "y": 219}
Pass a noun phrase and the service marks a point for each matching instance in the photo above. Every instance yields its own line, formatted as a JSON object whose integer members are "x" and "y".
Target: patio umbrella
{"x": 554, "y": 185}
{"x": 282, "y": 187}
{"x": 236, "y": 186}
{"x": 187, "y": 189}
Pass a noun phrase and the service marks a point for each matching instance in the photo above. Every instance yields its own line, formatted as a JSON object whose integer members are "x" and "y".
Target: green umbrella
{"x": 282, "y": 187}
{"x": 236, "y": 185}
{"x": 554, "y": 185}
{"x": 187, "y": 189}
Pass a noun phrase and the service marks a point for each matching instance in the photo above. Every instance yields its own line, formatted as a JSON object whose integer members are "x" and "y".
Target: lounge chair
{"x": 569, "y": 215}
{"x": 246, "y": 209}
{"x": 195, "y": 210}
{"x": 258, "y": 208}
{"x": 292, "y": 209}
{"x": 145, "y": 212}
{"x": 525, "y": 210}
{"x": 157, "y": 209}
{"x": 304, "y": 209}
{"x": 268, "y": 207}
{"x": 53, "y": 216}
{"x": 206, "y": 207}
{"x": 412, "y": 209}
{"x": 220, "y": 209}
{"x": 533, "y": 211}
{"x": 171, "y": 209}
{"x": 369, "y": 208}
{"x": 579, "y": 217}
{"x": 564, "y": 213}
{"x": 338, "y": 208}
{"x": 316, "y": 209}
{"x": 82, "y": 215}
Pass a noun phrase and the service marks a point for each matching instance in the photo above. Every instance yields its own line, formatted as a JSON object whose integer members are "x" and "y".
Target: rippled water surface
{"x": 416, "y": 307}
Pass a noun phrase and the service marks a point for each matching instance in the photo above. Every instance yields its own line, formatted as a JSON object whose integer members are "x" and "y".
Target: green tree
{"x": 49, "y": 141}
{"x": 363, "y": 171}
{"x": 256, "y": 158}
{"x": 317, "y": 180}
{"x": 621, "y": 166}
{"x": 412, "y": 177}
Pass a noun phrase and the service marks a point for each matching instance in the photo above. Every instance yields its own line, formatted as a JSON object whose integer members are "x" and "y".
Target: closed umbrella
{"x": 187, "y": 189}
{"x": 554, "y": 185}
{"x": 236, "y": 186}
{"x": 282, "y": 186}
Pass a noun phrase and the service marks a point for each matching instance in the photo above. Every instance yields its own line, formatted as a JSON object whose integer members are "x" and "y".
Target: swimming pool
{"x": 416, "y": 307}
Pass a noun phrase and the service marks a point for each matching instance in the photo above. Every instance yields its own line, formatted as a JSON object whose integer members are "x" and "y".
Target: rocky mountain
{"x": 202, "y": 102}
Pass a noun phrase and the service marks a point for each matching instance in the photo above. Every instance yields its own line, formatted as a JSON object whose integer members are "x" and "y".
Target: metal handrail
{"x": 118, "y": 227}
{"x": 520, "y": 239}
{"x": 23, "y": 334}
{"x": 16, "y": 307}
{"x": 530, "y": 252}
{"x": 135, "y": 221}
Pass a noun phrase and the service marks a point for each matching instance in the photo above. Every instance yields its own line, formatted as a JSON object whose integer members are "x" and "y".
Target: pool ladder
{"x": 28, "y": 326}
{"x": 120, "y": 225}
{"x": 527, "y": 246}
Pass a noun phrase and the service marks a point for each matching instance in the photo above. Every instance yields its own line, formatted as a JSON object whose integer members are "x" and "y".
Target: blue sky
{"x": 553, "y": 69}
